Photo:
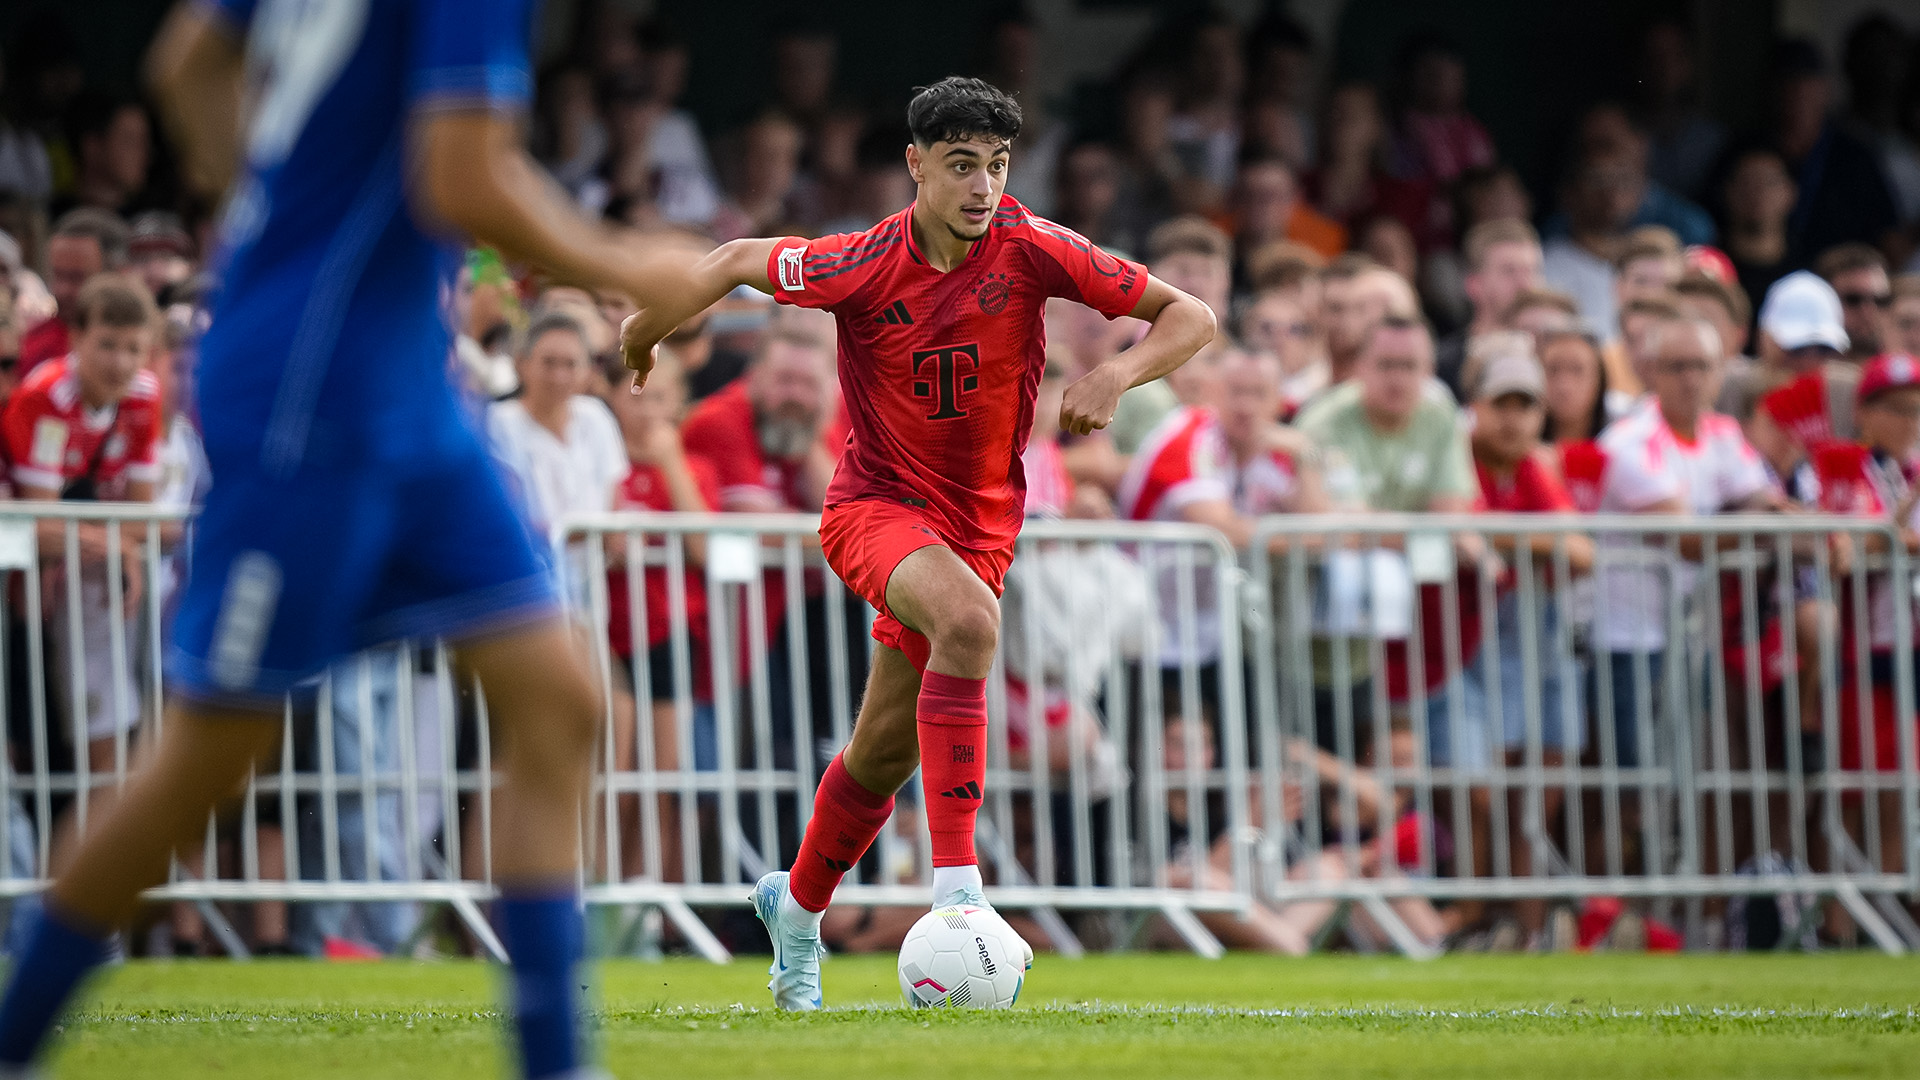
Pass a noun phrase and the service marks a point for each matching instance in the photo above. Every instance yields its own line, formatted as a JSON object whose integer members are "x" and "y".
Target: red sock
{"x": 846, "y": 818}
{"x": 953, "y": 762}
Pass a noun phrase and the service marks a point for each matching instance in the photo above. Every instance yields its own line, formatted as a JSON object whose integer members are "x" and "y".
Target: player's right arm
{"x": 468, "y": 90}
{"x": 197, "y": 68}
{"x": 724, "y": 269}
{"x": 472, "y": 172}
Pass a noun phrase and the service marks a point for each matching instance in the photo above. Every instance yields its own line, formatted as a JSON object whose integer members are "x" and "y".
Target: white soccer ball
{"x": 962, "y": 957}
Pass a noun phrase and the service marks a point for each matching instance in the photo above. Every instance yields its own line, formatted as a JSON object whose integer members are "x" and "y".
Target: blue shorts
{"x": 290, "y": 575}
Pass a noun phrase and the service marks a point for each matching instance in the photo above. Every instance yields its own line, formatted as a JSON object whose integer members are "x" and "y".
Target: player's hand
{"x": 639, "y": 350}
{"x": 1090, "y": 401}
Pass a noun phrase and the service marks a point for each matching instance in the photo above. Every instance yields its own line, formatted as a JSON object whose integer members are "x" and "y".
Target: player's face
{"x": 106, "y": 358}
{"x": 961, "y": 183}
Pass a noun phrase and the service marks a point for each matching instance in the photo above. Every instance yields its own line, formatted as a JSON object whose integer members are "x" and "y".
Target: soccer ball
{"x": 962, "y": 957}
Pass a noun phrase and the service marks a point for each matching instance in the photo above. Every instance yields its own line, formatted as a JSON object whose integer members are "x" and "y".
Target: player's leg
{"x": 933, "y": 591}
{"x": 201, "y": 759}
{"x": 855, "y": 797}
{"x": 545, "y": 715}
{"x": 850, "y": 807}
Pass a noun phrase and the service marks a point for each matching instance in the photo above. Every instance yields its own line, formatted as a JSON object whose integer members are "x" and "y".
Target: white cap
{"x": 1802, "y": 310}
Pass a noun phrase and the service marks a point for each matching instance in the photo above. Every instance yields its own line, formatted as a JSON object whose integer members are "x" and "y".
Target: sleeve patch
{"x": 792, "y": 269}
{"x": 49, "y": 442}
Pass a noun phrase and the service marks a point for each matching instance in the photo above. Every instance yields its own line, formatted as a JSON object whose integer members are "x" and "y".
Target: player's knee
{"x": 970, "y": 631}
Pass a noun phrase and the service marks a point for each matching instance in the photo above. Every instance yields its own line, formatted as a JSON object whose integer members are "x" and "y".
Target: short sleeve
{"x": 706, "y": 480}
{"x": 1455, "y": 474}
{"x": 609, "y": 449}
{"x": 1742, "y": 473}
{"x": 1083, "y": 272}
{"x": 1638, "y": 475}
{"x": 143, "y": 447}
{"x": 821, "y": 272}
{"x": 36, "y": 440}
{"x": 471, "y": 53}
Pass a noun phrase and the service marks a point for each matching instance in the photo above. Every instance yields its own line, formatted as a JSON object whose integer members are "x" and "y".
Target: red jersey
{"x": 940, "y": 369}
{"x": 49, "y": 340}
{"x": 722, "y": 431}
{"x": 645, "y": 488}
{"x": 1533, "y": 489}
{"x": 52, "y": 437}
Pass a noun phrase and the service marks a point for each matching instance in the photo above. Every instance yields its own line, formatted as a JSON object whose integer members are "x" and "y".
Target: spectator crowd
{"x": 1690, "y": 321}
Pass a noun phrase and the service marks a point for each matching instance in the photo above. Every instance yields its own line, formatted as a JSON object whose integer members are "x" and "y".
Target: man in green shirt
{"x": 1388, "y": 445}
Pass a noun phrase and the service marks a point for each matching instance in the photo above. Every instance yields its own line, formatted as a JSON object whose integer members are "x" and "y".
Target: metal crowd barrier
{"x": 1692, "y": 783}
{"x": 1179, "y": 729}
{"x": 1078, "y": 783}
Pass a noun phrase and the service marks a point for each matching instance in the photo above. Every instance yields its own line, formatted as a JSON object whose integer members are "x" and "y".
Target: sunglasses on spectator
{"x": 1807, "y": 352}
{"x": 1862, "y": 299}
{"x": 8, "y": 363}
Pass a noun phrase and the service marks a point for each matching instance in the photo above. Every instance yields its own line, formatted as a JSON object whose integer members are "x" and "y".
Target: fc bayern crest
{"x": 992, "y": 294}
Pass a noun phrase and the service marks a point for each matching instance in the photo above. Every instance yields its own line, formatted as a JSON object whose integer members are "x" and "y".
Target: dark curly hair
{"x": 958, "y": 108}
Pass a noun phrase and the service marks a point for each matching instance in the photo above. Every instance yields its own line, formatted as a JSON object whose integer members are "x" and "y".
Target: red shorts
{"x": 865, "y": 540}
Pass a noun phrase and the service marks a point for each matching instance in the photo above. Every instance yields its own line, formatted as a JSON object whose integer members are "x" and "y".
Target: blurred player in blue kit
{"x": 353, "y": 502}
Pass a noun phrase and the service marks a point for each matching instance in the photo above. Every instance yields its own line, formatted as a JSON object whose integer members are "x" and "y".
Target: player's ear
{"x": 914, "y": 163}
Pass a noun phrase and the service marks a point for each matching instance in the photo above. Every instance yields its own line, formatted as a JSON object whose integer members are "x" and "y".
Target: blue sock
{"x": 56, "y": 957}
{"x": 543, "y": 933}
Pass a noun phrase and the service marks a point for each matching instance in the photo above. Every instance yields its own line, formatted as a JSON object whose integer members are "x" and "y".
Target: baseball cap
{"x": 1712, "y": 262}
{"x": 1888, "y": 371}
{"x": 1510, "y": 373}
{"x": 158, "y": 232}
{"x": 1802, "y": 310}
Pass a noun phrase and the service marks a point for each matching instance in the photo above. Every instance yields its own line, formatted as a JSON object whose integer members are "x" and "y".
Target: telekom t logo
{"x": 944, "y": 374}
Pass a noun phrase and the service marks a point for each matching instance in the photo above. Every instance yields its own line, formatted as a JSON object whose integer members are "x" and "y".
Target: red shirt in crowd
{"x": 939, "y": 369}
{"x": 1532, "y": 489}
{"x": 645, "y": 488}
{"x": 52, "y": 437}
{"x": 722, "y": 431}
{"x": 48, "y": 340}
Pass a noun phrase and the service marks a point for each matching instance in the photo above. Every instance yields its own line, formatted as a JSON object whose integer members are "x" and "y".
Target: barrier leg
{"x": 470, "y": 914}
{"x": 1396, "y": 929}
{"x": 1868, "y": 919}
{"x": 223, "y": 931}
{"x": 695, "y": 931}
{"x": 1193, "y": 932}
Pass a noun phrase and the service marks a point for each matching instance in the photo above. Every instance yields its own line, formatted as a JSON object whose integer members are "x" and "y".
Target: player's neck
{"x": 942, "y": 250}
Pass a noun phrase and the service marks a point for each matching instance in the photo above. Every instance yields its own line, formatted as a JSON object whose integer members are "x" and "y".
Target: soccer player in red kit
{"x": 941, "y": 350}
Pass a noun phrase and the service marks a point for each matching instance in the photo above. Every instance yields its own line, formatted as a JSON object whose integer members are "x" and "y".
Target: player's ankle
{"x": 792, "y": 911}
{"x": 949, "y": 879}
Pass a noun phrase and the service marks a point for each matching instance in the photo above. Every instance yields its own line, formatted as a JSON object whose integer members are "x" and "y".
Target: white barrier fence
{"x": 1177, "y": 729}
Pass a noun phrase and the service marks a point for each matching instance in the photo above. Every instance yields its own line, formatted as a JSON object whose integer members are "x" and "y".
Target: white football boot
{"x": 796, "y": 949}
{"x": 968, "y": 896}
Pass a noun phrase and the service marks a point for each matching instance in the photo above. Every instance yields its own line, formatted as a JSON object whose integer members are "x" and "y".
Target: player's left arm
{"x": 1180, "y": 326}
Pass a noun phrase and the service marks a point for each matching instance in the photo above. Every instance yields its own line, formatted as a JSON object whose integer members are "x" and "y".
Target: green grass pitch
{"x": 1119, "y": 1017}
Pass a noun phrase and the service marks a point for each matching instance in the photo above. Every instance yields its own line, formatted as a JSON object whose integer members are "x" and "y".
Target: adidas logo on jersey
{"x": 894, "y": 314}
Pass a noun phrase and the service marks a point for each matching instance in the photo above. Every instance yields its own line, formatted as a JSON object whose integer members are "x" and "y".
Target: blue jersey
{"x": 353, "y": 501}
{"x": 330, "y": 341}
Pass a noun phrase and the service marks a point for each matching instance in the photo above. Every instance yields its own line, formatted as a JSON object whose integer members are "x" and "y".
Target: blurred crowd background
{"x": 1463, "y": 256}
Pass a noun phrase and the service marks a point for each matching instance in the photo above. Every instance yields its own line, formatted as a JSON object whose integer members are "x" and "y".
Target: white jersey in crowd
{"x": 1182, "y": 461}
{"x": 575, "y": 475}
{"x": 1648, "y": 464}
